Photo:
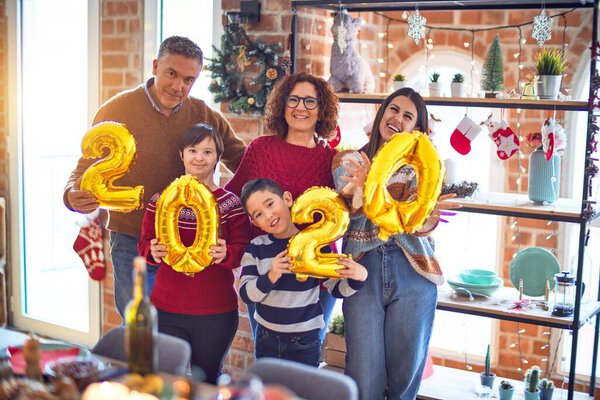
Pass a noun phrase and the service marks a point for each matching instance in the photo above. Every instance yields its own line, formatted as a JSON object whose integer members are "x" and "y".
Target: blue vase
{"x": 544, "y": 177}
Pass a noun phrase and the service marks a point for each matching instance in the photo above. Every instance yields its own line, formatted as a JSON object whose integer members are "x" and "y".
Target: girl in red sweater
{"x": 201, "y": 309}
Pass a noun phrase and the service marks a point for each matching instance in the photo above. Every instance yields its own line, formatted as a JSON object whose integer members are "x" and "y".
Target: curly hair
{"x": 328, "y": 105}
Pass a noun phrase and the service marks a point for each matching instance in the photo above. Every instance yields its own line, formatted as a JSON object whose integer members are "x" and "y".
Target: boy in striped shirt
{"x": 288, "y": 312}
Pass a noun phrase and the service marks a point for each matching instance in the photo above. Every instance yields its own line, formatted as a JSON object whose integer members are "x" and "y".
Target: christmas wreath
{"x": 229, "y": 74}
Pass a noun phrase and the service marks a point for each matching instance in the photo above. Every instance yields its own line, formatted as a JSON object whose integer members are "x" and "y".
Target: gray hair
{"x": 182, "y": 46}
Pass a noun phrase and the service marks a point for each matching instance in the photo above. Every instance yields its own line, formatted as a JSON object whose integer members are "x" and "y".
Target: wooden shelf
{"x": 496, "y": 307}
{"x": 377, "y": 98}
{"x": 519, "y": 205}
{"x": 456, "y": 384}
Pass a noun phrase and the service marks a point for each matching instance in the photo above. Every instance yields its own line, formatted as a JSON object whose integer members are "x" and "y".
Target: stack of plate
{"x": 460, "y": 286}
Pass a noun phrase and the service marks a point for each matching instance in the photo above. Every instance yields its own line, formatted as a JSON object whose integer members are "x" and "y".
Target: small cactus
{"x": 487, "y": 361}
{"x": 434, "y": 77}
{"x": 399, "y": 78}
{"x": 546, "y": 383}
{"x": 337, "y": 325}
{"x": 506, "y": 385}
{"x": 532, "y": 378}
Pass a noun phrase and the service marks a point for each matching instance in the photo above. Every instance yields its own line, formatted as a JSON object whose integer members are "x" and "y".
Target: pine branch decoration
{"x": 229, "y": 79}
{"x": 492, "y": 76}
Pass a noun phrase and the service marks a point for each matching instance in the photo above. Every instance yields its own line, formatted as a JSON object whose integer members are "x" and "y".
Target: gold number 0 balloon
{"x": 187, "y": 191}
{"x": 99, "y": 177}
{"x": 305, "y": 247}
{"x": 380, "y": 207}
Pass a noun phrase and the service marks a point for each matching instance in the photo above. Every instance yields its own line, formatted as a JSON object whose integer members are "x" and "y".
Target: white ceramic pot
{"x": 548, "y": 86}
{"x": 457, "y": 89}
{"x": 399, "y": 84}
{"x": 435, "y": 89}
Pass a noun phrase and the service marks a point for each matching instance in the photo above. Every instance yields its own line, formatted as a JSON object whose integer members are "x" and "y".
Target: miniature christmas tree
{"x": 492, "y": 77}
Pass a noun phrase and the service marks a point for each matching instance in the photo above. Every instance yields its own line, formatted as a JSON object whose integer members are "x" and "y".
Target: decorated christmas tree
{"x": 492, "y": 77}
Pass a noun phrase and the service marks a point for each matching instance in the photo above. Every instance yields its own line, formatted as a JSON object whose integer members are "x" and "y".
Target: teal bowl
{"x": 478, "y": 276}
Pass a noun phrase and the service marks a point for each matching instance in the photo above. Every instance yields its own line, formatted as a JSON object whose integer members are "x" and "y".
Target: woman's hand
{"x": 219, "y": 251}
{"x": 442, "y": 205}
{"x": 158, "y": 251}
{"x": 353, "y": 270}
{"x": 357, "y": 172}
{"x": 282, "y": 264}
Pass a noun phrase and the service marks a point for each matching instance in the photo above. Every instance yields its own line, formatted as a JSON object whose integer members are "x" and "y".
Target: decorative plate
{"x": 535, "y": 265}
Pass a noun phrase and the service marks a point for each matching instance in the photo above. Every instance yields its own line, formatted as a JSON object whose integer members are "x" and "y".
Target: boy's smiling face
{"x": 271, "y": 213}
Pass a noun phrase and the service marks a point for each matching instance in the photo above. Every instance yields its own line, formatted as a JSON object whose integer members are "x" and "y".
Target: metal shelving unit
{"x": 503, "y": 204}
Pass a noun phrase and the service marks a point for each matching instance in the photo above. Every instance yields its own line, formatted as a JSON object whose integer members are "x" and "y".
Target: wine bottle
{"x": 140, "y": 325}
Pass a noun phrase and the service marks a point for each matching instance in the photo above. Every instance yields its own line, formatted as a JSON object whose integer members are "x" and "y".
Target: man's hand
{"x": 82, "y": 201}
{"x": 282, "y": 264}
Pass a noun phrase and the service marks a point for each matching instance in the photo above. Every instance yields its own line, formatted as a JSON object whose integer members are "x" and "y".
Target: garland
{"x": 229, "y": 75}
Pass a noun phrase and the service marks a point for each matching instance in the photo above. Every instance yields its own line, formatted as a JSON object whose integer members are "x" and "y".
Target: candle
{"x": 451, "y": 171}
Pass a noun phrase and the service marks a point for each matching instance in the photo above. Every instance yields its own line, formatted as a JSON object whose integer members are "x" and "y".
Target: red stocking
{"x": 89, "y": 247}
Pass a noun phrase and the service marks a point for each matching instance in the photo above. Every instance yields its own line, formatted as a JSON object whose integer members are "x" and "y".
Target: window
{"x": 57, "y": 89}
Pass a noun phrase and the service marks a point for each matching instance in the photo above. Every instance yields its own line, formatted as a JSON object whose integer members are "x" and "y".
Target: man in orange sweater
{"x": 157, "y": 113}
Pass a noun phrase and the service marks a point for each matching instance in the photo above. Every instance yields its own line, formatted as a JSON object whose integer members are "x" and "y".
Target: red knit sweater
{"x": 295, "y": 168}
{"x": 210, "y": 291}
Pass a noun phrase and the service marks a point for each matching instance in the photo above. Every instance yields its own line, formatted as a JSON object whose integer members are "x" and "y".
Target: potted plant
{"x": 506, "y": 390}
{"x": 399, "y": 81}
{"x": 435, "y": 86}
{"x": 457, "y": 87}
{"x": 335, "y": 344}
{"x": 487, "y": 377}
{"x": 546, "y": 389}
{"x": 532, "y": 378}
{"x": 550, "y": 65}
{"x": 492, "y": 76}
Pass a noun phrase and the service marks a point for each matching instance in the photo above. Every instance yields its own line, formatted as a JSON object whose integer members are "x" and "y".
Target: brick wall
{"x": 121, "y": 50}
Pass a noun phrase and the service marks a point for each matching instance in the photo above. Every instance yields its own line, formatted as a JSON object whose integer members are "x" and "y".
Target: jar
{"x": 564, "y": 294}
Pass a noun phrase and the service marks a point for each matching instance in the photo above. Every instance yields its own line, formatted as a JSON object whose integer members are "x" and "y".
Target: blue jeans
{"x": 123, "y": 249}
{"x": 304, "y": 348}
{"x": 388, "y": 326}
{"x": 327, "y": 303}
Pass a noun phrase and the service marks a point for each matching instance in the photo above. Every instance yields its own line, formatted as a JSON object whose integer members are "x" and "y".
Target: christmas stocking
{"x": 88, "y": 246}
{"x": 466, "y": 131}
{"x": 504, "y": 137}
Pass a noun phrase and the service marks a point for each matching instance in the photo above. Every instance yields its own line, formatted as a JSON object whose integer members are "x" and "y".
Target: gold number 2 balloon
{"x": 305, "y": 247}
{"x": 380, "y": 207}
{"x": 99, "y": 177}
{"x": 187, "y": 191}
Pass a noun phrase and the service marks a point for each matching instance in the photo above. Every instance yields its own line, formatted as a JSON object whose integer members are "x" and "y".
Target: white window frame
{"x": 14, "y": 115}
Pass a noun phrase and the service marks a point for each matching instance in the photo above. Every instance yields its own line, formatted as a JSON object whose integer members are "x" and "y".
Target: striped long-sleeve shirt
{"x": 287, "y": 306}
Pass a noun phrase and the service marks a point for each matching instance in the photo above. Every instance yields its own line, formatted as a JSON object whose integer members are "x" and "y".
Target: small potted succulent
{"x": 457, "y": 87}
{"x": 532, "y": 379}
{"x": 506, "y": 390}
{"x": 550, "y": 65}
{"x": 399, "y": 81}
{"x": 487, "y": 377}
{"x": 435, "y": 86}
{"x": 546, "y": 389}
{"x": 335, "y": 343}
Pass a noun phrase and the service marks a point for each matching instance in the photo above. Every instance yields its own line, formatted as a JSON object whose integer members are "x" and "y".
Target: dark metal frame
{"x": 390, "y": 5}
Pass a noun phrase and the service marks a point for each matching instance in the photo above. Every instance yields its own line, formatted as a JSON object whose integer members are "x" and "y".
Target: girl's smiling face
{"x": 399, "y": 116}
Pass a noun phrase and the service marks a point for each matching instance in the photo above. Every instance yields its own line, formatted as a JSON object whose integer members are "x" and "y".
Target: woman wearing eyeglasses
{"x": 302, "y": 112}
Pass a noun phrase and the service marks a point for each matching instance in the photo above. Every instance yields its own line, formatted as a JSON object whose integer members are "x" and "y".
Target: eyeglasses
{"x": 310, "y": 103}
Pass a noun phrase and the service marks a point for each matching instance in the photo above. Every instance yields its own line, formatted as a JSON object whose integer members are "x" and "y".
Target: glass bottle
{"x": 140, "y": 325}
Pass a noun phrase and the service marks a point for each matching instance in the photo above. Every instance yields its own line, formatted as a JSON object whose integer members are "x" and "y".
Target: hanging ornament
{"x": 242, "y": 60}
{"x": 542, "y": 27}
{"x": 251, "y": 100}
{"x": 416, "y": 26}
{"x": 271, "y": 73}
{"x": 503, "y": 136}
{"x": 341, "y": 37}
